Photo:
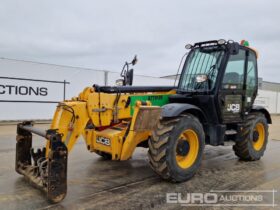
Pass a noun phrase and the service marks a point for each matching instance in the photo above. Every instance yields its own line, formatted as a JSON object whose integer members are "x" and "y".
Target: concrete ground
{"x": 97, "y": 184}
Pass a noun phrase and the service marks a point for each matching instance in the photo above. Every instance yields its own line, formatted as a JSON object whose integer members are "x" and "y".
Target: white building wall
{"x": 79, "y": 78}
{"x": 278, "y": 102}
{"x": 268, "y": 99}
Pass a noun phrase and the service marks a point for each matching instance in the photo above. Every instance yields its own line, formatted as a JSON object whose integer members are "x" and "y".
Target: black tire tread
{"x": 241, "y": 148}
{"x": 158, "y": 146}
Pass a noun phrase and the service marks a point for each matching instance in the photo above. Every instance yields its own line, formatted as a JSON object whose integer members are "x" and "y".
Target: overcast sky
{"x": 103, "y": 34}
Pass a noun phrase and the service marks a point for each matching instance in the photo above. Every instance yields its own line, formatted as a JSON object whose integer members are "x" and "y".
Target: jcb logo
{"x": 103, "y": 140}
{"x": 235, "y": 108}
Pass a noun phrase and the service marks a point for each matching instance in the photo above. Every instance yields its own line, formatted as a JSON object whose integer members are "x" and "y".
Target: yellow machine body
{"x": 108, "y": 122}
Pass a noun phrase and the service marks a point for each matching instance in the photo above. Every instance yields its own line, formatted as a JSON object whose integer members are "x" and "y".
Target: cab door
{"x": 232, "y": 89}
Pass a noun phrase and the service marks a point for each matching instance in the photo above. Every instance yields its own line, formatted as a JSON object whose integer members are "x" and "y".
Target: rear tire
{"x": 176, "y": 148}
{"x": 254, "y": 138}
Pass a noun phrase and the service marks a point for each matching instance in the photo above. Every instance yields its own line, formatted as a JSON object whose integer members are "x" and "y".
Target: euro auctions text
{"x": 265, "y": 198}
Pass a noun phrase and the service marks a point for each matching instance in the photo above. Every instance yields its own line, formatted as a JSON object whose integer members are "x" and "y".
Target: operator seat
{"x": 231, "y": 78}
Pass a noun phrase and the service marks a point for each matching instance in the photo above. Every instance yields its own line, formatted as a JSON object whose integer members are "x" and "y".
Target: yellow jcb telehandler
{"x": 212, "y": 103}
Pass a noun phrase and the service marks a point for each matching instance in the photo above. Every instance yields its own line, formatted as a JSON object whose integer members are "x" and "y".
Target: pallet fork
{"x": 49, "y": 174}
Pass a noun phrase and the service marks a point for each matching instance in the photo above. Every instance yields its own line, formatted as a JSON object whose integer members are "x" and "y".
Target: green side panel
{"x": 155, "y": 99}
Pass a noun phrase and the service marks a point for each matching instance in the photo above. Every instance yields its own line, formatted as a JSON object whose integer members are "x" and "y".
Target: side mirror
{"x": 127, "y": 73}
{"x": 128, "y": 80}
{"x": 135, "y": 60}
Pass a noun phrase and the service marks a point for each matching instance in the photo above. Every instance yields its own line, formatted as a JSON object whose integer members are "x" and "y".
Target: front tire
{"x": 176, "y": 148}
{"x": 254, "y": 138}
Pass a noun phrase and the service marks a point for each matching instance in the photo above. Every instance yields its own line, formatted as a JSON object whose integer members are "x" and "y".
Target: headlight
{"x": 188, "y": 46}
{"x": 221, "y": 41}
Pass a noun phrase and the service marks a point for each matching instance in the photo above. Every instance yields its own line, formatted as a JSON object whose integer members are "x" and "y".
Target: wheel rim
{"x": 186, "y": 157}
{"x": 258, "y": 136}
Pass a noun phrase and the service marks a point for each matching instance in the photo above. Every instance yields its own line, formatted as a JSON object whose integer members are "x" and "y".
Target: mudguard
{"x": 264, "y": 111}
{"x": 175, "y": 109}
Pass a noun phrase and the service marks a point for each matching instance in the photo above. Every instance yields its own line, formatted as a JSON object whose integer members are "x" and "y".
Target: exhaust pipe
{"x": 48, "y": 172}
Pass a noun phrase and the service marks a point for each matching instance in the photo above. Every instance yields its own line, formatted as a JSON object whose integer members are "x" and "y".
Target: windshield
{"x": 201, "y": 70}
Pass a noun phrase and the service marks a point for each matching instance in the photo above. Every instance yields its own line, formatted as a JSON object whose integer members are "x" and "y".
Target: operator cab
{"x": 220, "y": 77}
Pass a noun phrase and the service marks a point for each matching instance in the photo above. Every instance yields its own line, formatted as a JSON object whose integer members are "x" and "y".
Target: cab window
{"x": 251, "y": 80}
{"x": 234, "y": 73}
